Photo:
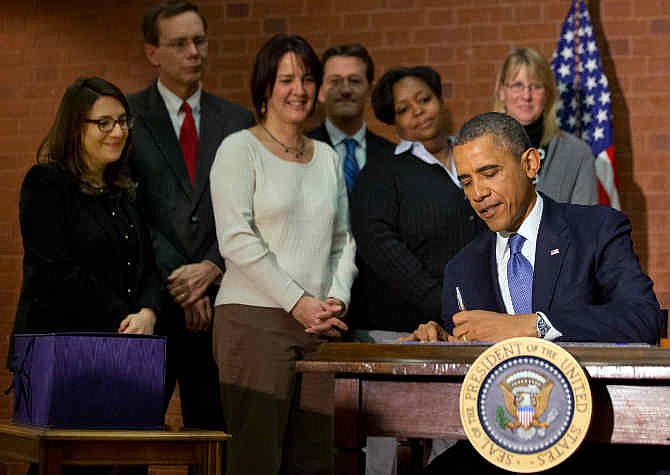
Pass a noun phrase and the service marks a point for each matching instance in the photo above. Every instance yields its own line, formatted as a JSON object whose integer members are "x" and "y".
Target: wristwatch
{"x": 541, "y": 326}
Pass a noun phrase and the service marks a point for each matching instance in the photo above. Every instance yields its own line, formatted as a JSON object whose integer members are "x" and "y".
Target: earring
{"x": 263, "y": 108}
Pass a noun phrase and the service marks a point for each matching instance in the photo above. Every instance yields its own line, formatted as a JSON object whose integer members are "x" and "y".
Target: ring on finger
{"x": 464, "y": 338}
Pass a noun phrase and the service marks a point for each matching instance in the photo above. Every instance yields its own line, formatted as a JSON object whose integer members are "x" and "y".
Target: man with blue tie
{"x": 544, "y": 269}
{"x": 348, "y": 73}
{"x": 555, "y": 271}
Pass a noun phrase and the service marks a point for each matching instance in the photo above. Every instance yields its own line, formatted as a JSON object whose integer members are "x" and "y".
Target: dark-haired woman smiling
{"x": 280, "y": 206}
{"x": 88, "y": 264}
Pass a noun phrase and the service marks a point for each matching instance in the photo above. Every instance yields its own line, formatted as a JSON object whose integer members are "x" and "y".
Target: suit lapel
{"x": 321, "y": 133}
{"x": 482, "y": 270}
{"x": 157, "y": 121}
{"x": 211, "y": 125}
{"x": 553, "y": 244}
{"x": 493, "y": 272}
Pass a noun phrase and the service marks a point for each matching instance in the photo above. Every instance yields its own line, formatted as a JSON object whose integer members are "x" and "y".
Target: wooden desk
{"x": 413, "y": 391}
{"x": 52, "y": 448}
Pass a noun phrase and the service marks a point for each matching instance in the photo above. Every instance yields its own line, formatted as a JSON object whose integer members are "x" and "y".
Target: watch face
{"x": 541, "y": 326}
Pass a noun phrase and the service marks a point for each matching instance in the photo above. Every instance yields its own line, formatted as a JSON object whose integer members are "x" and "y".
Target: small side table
{"x": 53, "y": 448}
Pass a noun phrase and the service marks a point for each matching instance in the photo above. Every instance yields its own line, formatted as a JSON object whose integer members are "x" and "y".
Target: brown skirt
{"x": 255, "y": 349}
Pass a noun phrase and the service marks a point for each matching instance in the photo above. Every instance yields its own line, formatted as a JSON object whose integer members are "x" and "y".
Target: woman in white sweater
{"x": 282, "y": 222}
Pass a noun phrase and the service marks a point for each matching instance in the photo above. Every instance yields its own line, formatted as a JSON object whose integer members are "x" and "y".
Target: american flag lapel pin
{"x": 553, "y": 252}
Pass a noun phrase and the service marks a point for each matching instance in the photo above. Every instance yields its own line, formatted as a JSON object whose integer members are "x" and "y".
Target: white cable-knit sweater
{"x": 282, "y": 227}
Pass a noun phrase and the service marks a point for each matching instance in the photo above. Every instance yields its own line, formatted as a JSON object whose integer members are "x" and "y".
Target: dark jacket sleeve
{"x": 374, "y": 212}
{"x": 150, "y": 285}
{"x": 57, "y": 281}
{"x": 615, "y": 301}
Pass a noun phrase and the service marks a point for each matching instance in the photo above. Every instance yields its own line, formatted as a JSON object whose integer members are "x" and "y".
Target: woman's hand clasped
{"x": 320, "y": 317}
{"x": 141, "y": 322}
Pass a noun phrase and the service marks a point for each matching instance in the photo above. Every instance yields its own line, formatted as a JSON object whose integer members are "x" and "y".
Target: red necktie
{"x": 188, "y": 141}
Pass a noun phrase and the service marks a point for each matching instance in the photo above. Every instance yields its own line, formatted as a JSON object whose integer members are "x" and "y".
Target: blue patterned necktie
{"x": 519, "y": 276}
{"x": 350, "y": 165}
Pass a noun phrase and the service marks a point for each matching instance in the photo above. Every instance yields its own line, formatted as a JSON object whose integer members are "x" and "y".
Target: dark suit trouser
{"x": 190, "y": 363}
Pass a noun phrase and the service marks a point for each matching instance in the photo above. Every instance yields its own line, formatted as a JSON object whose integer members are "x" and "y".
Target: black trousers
{"x": 190, "y": 363}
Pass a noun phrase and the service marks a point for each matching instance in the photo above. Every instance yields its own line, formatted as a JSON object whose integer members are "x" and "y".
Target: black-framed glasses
{"x": 180, "y": 45}
{"x": 107, "y": 124}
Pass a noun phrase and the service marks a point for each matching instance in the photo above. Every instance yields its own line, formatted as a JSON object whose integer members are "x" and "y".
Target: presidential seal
{"x": 525, "y": 405}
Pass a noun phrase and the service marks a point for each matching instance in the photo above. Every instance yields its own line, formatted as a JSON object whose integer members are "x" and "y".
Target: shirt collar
{"x": 337, "y": 136}
{"x": 420, "y": 152}
{"x": 529, "y": 229}
{"x": 173, "y": 102}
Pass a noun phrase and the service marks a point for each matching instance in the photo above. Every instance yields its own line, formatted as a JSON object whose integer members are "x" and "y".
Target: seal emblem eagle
{"x": 525, "y": 404}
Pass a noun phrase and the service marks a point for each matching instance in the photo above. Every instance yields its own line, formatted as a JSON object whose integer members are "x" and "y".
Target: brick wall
{"x": 45, "y": 45}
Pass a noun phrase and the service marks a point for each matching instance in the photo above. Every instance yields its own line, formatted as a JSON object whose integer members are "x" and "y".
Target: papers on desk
{"x": 562, "y": 344}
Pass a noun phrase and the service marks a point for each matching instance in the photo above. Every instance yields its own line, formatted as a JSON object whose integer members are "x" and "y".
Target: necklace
{"x": 94, "y": 188}
{"x": 299, "y": 150}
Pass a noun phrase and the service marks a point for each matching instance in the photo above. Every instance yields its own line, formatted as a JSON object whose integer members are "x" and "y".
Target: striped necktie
{"x": 519, "y": 276}
{"x": 350, "y": 165}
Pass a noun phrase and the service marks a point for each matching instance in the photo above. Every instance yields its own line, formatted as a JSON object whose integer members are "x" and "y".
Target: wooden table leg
{"x": 213, "y": 459}
{"x": 51, "y": 461}
{"x": 349, "y": 458}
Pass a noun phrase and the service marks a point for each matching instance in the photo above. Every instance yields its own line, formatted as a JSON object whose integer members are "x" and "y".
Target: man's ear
{"x": 530, "y": 162}
{"x": 150, "y": 52}
{"x": 322, "y": 94}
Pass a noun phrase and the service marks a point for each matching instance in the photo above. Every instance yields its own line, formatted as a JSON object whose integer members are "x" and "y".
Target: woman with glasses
{"x": 526, "y": 90}
{"x": 282, "y": 223}
{"x": 88, "y": 263}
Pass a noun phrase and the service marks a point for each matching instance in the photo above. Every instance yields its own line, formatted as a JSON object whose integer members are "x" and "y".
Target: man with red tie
{"x": 178, "y": 128}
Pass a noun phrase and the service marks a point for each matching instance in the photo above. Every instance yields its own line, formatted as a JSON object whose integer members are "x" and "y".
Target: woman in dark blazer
{"x": 409, "y": 215}
{"x": 88, "y": 264}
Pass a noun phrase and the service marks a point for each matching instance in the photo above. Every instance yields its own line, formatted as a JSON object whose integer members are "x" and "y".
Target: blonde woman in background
{"x": 526, "y": 90}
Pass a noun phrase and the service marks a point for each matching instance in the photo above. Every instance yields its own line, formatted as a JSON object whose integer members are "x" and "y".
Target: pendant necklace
{"x": 299, "y": 151}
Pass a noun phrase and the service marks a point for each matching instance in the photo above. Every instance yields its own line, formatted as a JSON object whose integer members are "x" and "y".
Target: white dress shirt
{"x": 420, "y": 152}
{"x": 337, "y": 139}
{"x": 173, "y": 105}
{"x": 529, "y": 229}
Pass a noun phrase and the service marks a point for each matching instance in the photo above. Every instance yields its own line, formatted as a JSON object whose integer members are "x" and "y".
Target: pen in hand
{"x": 459, "y": 299}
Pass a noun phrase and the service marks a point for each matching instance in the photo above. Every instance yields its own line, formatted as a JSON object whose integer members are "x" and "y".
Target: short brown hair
{"x": 165, "y": 10}
{"x": 267, "y": 62}
{"x": 353, "y": 50}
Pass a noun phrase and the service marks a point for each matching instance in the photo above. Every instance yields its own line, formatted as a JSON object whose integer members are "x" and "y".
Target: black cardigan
{"x": 83, "y": 270}
{"x": 408, "y": 219}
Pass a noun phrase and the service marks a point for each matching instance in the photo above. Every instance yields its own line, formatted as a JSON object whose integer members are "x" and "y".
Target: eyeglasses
{"x": 180, "y": 45}
{"x": 107, "y": 124}
{"x": 339, "y": 82}
{"x": 520, "y": 88}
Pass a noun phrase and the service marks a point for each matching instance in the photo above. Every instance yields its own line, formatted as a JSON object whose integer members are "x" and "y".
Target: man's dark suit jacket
{"x": 181, "y": 222}
{"x": 587, "y": 279}
{"x": 180, "y": 216}
{"x": 378, "y": 149}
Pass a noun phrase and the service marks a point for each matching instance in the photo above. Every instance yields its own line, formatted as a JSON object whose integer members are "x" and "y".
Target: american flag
{"x": 585, "y": 103}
